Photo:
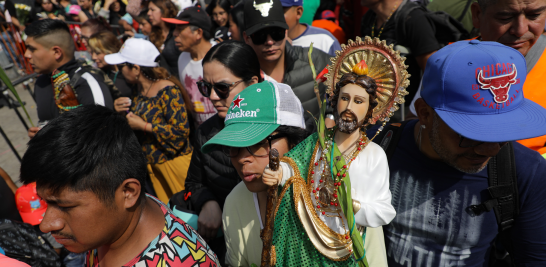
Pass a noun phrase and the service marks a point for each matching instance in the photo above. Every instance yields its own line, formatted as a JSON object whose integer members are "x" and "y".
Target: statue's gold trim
{"x": 386, "y": 67}
{"x": 356, "y": 206}
{"x": 329, "y": 243}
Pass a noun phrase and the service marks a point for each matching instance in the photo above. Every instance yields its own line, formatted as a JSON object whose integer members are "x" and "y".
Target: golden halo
{"x": 386, "y": 67}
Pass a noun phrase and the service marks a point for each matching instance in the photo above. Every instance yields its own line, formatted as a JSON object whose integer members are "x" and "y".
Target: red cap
{"x": 175, "y": 21}
{"x": 328, "y": 14}
{"x": 31, "y": 207}
{"x": 193, "y": 16}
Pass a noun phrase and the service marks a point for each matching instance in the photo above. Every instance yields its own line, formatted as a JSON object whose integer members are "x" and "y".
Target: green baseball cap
{"x": 257, "y": 112}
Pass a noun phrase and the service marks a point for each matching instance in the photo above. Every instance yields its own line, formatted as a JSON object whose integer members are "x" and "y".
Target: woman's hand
{"x": 136, "y": 122}
{"x": 210, "y": 220}
{"x": 122, "y": 104}
{"x": 272, "y": 178}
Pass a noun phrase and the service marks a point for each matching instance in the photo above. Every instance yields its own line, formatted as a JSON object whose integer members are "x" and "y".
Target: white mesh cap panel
{"x": 289, "y": 108}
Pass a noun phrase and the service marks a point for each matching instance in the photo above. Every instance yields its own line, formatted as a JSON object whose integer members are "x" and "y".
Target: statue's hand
{"x": 270, "y": 177}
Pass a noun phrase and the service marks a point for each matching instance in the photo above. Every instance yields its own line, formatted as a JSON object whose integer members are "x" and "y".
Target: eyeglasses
{"x": 260, "y": 37}
{"x": 221, "y": 89}
{"x": 259, "y": 150}
{"x": 466, "y": 143}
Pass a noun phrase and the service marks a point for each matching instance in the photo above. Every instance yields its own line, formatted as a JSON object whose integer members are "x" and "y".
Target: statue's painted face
{"x": 352, "y": 107}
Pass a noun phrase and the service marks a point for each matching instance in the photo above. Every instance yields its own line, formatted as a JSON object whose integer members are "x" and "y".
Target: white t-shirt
{"x": 191, "y": 71}
{"x": 321, "y": 39}
{"x": 242, "y": 223}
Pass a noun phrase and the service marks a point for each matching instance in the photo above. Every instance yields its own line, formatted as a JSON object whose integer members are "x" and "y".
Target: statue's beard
{"x": 349, "y": 124}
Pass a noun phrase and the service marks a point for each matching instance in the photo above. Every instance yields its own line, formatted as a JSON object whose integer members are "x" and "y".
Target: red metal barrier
{"x": 15, "y": 46}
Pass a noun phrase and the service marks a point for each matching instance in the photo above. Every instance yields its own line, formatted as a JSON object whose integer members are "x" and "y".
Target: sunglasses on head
{"x": 221, "y": 89}
{"x": 260, "y": 37}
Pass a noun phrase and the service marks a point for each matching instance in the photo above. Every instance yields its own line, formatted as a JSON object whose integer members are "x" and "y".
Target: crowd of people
{"x": 206, "y": 133}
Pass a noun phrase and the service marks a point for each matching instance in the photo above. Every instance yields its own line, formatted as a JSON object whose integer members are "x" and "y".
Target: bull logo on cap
{"x": 499, "y": 85}
{"x": 264, "y": 7}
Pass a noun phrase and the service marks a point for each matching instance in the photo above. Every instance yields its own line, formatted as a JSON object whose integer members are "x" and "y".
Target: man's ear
{"x": 58, "y": 52}
{"x": 199, "y": 33}
{"x": 247, "y": 39}
{"x": 299, "y": 12}
{"x": 476, "y": 11}
{"x": 252, "y": 81}
{"x": 130, "y": 189}
{"x": 425, "y": 113}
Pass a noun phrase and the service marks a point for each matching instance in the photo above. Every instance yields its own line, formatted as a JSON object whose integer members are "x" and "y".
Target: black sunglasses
{"x": 260, "y": 37}
{"x": 221, "y": 89}
{"x": 259, "y": 150}
{"x": 466, "y": 142}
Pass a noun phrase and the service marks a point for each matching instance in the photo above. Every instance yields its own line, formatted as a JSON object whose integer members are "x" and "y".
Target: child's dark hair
{"x": 91, "y": 148}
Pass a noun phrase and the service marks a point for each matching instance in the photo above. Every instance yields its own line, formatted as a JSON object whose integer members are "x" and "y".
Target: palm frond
{"x": 8, "y": 83}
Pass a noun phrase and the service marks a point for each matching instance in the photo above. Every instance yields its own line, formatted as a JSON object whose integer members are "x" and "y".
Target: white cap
{"x": 135, "y": 51}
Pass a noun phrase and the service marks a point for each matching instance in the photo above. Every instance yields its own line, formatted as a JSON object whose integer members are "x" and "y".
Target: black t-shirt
{"x": 8, "y": 209}
{"x": 419, "y": 38}
{"x": 88, "y": 14}
{"x": 171, "y": 53}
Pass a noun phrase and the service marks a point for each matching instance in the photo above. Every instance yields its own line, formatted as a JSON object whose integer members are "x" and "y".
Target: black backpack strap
{"x": 403, "y": 11}
{"x": 468, "y": 2}
{"x": 503, "y": 189}
{"x": 504, "y": 201}
{"x": 390, "y": 136}
{"x": 503, "y": 186}
{"x": 78, "y": 74}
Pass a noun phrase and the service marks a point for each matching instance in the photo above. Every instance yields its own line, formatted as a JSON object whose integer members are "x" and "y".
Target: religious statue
{"x": 336, "y": 183}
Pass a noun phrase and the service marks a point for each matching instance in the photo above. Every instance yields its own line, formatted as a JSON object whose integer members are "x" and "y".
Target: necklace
{"x": 351, "y": 146}
{"x": 146, "y": 94}
{"x": 325, "y": 190}
{"x": 381, "y": 30}
{"x": 59, "y": 81}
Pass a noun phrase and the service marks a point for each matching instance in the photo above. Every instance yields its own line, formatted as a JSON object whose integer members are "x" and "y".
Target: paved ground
{"x": 16, "y": 132}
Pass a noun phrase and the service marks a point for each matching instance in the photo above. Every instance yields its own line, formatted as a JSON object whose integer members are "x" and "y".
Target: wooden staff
{"x": 268, "y": 250}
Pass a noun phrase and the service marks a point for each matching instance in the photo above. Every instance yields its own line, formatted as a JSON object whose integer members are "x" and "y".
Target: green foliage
{"x": 8, "y": 83}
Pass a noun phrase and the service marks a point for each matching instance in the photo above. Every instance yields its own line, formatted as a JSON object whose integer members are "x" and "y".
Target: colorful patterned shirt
{"x": 177, "y": 245}
{"x": 166, "y": 112}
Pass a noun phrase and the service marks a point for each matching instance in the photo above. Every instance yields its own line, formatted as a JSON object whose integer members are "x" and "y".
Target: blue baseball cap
{"x": 477, "y": 89}
{"x": 289, "y": 3}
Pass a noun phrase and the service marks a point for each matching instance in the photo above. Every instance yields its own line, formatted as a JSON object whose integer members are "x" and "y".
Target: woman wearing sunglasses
{"x": 159, "y": 113}
{"x": 228, "y": 68}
